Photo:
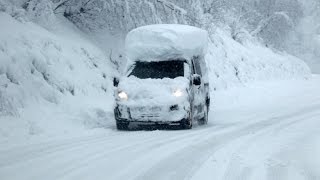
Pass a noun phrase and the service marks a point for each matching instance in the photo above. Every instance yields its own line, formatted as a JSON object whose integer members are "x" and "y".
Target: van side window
{"x": 196, "y": 61}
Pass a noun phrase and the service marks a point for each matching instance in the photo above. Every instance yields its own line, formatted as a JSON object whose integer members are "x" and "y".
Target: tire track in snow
{"x": 237, "y": 170}
{"x": 29, "y": 152}
{"x": 24, "y": 153}
{"x": 182, "y": 164}
{"x": 71, "y": 157}
{"x": 70, "y": 160}
{"x": 130, "y": 153}
{"x": 65, "y": 157}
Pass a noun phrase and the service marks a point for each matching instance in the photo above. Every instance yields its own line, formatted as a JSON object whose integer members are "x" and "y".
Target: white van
{"x": 166, "y": 81}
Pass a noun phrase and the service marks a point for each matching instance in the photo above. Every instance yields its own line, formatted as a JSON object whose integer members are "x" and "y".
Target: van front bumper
{"x": 158, "y": 115}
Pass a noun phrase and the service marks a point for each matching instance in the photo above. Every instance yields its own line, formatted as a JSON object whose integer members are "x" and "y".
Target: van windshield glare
{"x": 158, "y": 70}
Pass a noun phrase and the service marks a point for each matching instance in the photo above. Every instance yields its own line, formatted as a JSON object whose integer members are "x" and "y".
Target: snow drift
{"x": 51, "y": 81}
{"x": 231, "y": 63}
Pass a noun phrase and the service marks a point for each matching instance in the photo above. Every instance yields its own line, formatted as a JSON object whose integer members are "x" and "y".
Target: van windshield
{"x": 158, "y": 70}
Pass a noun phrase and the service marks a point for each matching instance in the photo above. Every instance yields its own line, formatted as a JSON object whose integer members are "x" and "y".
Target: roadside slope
{"x": 52, "y": 81}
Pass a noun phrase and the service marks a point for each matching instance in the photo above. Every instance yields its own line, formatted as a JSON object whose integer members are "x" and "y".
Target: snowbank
{"x": 231, "y": 63}
{"x": 51, "y": 82}
{"x": 165, "y": 41}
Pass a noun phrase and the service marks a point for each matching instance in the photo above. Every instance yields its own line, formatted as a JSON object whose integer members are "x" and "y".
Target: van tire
{"x": 122, "y": 126}
{"x": 204, "y": 120}
{"x": 187, "y": 123}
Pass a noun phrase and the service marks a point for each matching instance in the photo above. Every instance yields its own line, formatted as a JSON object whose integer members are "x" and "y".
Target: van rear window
{"x": 158, "y": 70}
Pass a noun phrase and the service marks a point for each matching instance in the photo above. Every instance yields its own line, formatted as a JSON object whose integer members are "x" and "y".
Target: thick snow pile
{"x": 231, "y": 63}
{"x": 166, "y": 41}
{"x": 51, "y": 81}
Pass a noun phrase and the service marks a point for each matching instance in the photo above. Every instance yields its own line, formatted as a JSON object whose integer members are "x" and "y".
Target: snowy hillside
{"x": 55, "y": 79}
{"x": 231, "y": 63}
{"x": 51, "y": 81}
{"x": 58, "y": 60}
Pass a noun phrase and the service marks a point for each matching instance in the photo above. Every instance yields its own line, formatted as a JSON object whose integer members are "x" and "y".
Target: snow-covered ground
{"x": 261, "y": 131}
{"x": 56, "y": 102}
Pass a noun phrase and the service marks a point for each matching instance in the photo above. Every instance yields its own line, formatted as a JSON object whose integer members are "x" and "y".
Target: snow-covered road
{"x": 261, "y": 131}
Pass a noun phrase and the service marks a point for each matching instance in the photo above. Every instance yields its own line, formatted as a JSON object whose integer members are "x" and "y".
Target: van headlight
{"x": 122, "y": 95}
{"x": 178, "y": 93}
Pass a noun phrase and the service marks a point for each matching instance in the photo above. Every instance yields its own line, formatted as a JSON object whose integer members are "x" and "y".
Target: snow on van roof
{"x": 165, "y": 41}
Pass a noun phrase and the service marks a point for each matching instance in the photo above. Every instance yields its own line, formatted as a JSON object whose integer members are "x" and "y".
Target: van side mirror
{"x": 196, "y": 79}
{"x": 115, "y": 82}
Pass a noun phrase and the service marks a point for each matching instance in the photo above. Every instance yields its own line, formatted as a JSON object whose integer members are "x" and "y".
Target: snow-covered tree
{"x": 40, "y": 11}
{"x": 277, "y": 23}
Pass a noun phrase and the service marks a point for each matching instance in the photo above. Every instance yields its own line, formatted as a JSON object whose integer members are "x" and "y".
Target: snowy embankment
{"x": 231, "y": 63}
{"x": 54, "y": 81}
{"x": 51, "y": 80}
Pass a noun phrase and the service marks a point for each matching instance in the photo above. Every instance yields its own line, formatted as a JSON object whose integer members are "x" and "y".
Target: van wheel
{"x": 204, "y": 120}
{"x": 187, "y": 123}
{"x": 122, "y": 125}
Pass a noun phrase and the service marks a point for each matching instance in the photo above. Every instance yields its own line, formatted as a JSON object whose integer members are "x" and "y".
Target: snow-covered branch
{"x": 266, "y": 21}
